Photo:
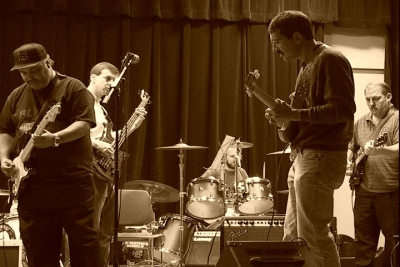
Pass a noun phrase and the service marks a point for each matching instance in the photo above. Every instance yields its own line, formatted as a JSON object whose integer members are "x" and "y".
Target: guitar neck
{"x": 25, "y": 153}
{"x": 360, "y": 158}
{"x": 128, "y": 125}
{"x": 264, "y": 97}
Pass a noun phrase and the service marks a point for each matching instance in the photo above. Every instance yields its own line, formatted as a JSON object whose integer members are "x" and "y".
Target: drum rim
{"x": 210, "y": 178}
{"x": 258, "y": 179}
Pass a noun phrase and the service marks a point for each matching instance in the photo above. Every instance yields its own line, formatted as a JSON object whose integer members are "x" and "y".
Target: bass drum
{"x": 205, "y": 198}
{"x": 169, "y": 228}
{"x": 258, "y": 198}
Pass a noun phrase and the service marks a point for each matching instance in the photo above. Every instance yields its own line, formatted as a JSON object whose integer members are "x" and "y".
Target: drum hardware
{"x": 158, "y": 192}
{"x": 4, "y": 192}
{"x": 181, "y": 147}
{"x": 285, "y": 151}
{"x": 286, "y": 192}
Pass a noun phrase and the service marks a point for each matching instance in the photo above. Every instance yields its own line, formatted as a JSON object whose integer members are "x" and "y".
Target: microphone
{"x": 238, "y": 161}
{"x": 129, "y": 58}
{"x": 133, "y": 58}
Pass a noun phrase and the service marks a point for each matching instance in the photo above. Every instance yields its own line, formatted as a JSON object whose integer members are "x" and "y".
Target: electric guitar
{"x": 21, "y": 171}
{"x": 287, "y": 131}
{"x": 359, "y": 162}
{"x": 105, "y": 165}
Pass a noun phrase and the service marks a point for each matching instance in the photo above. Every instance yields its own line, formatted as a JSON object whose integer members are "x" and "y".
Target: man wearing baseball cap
{"x": 57, "y": 192}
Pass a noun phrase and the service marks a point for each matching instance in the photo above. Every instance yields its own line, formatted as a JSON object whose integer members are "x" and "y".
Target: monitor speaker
{"x": 264, "y": 253}
{"x": 204, "y": 249}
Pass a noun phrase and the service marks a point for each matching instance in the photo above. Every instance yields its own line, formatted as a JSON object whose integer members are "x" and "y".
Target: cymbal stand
{"x": 181, "y": 200}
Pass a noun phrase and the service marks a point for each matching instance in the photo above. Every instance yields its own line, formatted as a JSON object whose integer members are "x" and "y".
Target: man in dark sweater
{"x": 319, "y": 125}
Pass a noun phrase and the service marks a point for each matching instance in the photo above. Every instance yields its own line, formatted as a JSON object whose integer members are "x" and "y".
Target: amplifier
{"x": 252, "y": 228}
{"x": 204, "y": 248}
{"x": 130, "y": 252}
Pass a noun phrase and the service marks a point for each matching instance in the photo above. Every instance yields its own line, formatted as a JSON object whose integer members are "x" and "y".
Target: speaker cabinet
{"x": 252, "y": 228}
{"x": 264, "y": 253}
{"x": 204, "y": 248}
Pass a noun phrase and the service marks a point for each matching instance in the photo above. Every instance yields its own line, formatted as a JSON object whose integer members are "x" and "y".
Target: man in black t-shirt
{"x": 57, "y": 193}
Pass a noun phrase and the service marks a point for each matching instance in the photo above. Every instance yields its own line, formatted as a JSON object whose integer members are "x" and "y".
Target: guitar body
{"x": 22, "y": 171}
{"x": 19, "y": 176}
{"x": 105, "y": 166}
{"x": 360, "y": 160}
{"x": 289, "y": 133}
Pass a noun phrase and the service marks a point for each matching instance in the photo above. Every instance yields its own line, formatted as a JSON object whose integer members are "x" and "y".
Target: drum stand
{"x": 181, "y": 146}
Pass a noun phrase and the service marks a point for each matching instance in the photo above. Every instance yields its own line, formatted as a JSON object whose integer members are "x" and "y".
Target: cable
{"x": 274, "y": 190}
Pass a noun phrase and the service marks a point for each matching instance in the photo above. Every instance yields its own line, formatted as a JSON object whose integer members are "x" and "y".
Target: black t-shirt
{"x": 70, "y": 160}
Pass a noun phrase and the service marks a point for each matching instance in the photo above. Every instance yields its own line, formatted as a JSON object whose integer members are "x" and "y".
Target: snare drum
{"x": 258, "y": 198}
{"x": 169, "y": 228}
{"x": 205, "y": 198}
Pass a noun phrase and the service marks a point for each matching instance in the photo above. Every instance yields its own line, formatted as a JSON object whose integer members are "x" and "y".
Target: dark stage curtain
{"x": 194, "y": 57}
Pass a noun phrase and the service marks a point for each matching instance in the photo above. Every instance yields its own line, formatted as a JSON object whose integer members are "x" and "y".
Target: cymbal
{"x": 244, "y": 144}
{"x": 286, "y": 151}
{"x": 159, "y": 192}
{"x": 181, "y": 145}
{"x": 4, "y": 192}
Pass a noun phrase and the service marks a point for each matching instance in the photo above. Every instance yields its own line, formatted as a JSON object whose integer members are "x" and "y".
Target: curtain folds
{"x": 344, "y": 13}
{"x": 260, "y": 11}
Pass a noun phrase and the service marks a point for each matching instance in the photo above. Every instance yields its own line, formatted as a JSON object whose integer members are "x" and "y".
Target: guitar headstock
{"x": 381, "y": 140}
{"x": 144, "y": 96}
{"x": 52, "y": 112}
{"x": 251, "y": 82}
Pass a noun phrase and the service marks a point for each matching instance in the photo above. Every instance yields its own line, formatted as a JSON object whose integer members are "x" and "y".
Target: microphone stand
{"x": 116, "y": 85}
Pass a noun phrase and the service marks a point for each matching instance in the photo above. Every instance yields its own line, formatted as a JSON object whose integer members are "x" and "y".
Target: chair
{"x": 135, "y": 214}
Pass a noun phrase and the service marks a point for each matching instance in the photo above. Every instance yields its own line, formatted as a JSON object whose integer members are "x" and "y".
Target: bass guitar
{"x": 287, "y": 131}
{"x": 21, "y": 171}
{"x": 105, "y": 165}
{"x": 359, "y": 162}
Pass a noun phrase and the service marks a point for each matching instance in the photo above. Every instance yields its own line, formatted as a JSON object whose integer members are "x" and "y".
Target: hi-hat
{"x": 286, "y": 151}
{"x": 181, "y": 145}
{"x": 159, "y": 192}
{"x": 244, "y": 144}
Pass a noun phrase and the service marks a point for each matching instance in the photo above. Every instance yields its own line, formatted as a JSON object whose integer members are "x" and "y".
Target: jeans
{"x": 312, "y": 179}
{"x": 374, "y": 212}
{"x": 104, "y": 217}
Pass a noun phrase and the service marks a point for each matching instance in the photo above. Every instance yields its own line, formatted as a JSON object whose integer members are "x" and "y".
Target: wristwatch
{"x": 57, "y": 140}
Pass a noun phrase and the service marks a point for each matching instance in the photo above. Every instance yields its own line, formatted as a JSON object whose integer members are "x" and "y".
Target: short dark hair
{"x": 291, "y": 21}
{"x": 97, "y": 69}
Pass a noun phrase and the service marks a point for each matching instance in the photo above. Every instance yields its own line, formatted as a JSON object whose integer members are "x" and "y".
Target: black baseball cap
{"x": 28, "y": 55}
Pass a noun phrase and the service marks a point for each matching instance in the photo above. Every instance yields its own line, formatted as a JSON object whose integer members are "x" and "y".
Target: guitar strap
{"x": 44, "y": 107}
{"x": 383, "y": 121}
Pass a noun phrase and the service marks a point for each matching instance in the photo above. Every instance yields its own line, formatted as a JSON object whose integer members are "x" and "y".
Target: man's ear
{"x": 297, "y": 37}
{"x": 389, "y": 96}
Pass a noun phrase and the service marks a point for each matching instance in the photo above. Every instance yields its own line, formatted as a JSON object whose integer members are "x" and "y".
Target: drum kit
{"x": 207, "y": 202}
